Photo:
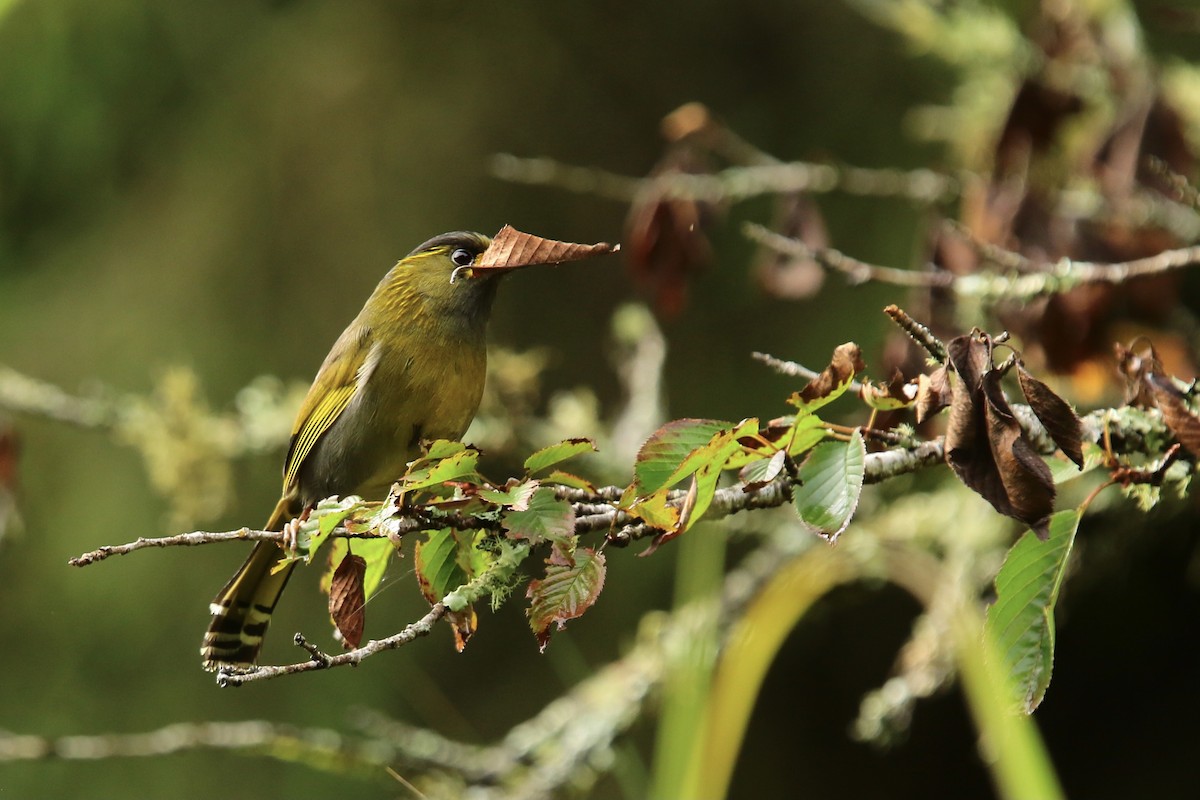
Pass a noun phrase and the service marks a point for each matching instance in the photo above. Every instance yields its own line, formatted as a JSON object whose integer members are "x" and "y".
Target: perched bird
{"x": 409, "y": 367}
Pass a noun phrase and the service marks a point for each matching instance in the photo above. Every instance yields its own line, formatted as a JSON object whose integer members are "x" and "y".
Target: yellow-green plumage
{"x": 409, "y": 367}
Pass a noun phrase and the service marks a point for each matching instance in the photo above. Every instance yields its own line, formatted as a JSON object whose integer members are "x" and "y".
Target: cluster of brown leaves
{"x": 986, "y": 446}
{"x": 1091, "y": 115}
{"x": 1147, "y": 385}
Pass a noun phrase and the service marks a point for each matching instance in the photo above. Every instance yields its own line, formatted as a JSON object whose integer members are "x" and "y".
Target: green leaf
{"x": 570, "y": 587}
{"x": 556, "y": 453}
{"x": 460, "y": 465}
{"x": 546, "y": 519}
{"x": 446, "y": 560}
{"x": 1021, "y": 621}
{"x": 567, "y": 479}
{"x": 323, "y": 520}
{"x": 831, "y": 483}
{"x": 665, "y": 450}
{"x": 515, "y": 497}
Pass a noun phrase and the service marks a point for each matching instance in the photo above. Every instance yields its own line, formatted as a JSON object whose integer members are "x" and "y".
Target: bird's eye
{"x": 462, "y": 257}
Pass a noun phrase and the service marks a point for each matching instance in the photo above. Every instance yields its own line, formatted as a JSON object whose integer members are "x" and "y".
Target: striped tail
{"x": 242, "y": 610}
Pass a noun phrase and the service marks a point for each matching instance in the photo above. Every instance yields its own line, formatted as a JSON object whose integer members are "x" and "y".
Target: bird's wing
{"x": 336, "y": 384}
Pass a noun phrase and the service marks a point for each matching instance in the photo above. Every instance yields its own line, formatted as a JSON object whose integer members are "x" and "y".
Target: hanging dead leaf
{"x": 1028, "y": 483}
{"x": 1055, "y": 414}
{"x": 1172, "y": 402}
{"x": 787, "y": 275}
{"x": 463, "y": 623}
{"x": 985, "y": 445}
{"x": 511, "y": 249}
{"x": 347, "y": 599}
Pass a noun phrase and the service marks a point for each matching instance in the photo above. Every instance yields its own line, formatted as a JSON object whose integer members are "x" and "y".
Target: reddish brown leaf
{"x": 9, "y": 451}
{"x": 1055, "y": 414}
{"x": 665, "y": 237}
{"x": 346, "y": 599}
{"x": 511, "y": 248}
{"x": 1179, "y": 418}
{"x": 570, "y": 587}
{"x": 1134, "y": 366}
{"x": 845, "y": 364}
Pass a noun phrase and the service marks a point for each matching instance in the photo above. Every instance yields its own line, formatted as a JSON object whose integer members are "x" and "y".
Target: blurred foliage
{"x": 195, "y": 196}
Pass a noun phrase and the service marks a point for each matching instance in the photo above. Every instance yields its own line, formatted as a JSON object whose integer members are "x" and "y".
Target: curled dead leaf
{"x": 1055, "y": 414}
{"x": 511, "y": 249}
{"x": 933, "y": 393}
{"x": 843, "y": 366}
{"x": 1172, "y": 402}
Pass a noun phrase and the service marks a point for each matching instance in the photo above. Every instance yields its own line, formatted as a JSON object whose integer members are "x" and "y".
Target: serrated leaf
{"x": 546, "y": 519}
{"x": 515, "y": 497}
{"x": 831, "y": 481}
{"x": 567, "y": 479}
{"x": 654, "y": 511}
{"x": 460, "y": 465}
{"x": 661, "y": 455}
{"x": 568, "y": 589}
{"x": 347, "y": 599}
{"x": 443, "y": 448}
{"x": 1021, "y": 620}
{"x": 557, "y": 453}
{"x": 321, "y": 522}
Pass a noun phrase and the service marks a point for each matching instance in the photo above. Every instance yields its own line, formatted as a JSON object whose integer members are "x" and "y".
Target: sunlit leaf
{"x": 831, "y": 481}
{"x": 833, "y": 381}
{"x": 567, "y": 479}
{"x": 1022, "y": 618}
{"x": 568, "y": 589}
{"x": 557, "y": 453}
{"x": 661, "y": 454}
{"x": 1182, "y": 421}
{"x": 455, "y": 467}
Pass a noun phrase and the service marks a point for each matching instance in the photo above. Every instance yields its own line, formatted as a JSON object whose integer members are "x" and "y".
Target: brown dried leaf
{"x": 1055, "y": 414}
{"x": 1179, "y": 418}
{"x": 1027, "y": 481}
{"x": 665, "y": 237}
{"x": 933, "y": 393}
{"x": 463, "y": 623}
{"x": 511, "y": 249}
{"x": 986, "y": 447}
{"x": 845, "y": 364}
{"x": 1134, "y": 366}
{"x": 346, "y": 599}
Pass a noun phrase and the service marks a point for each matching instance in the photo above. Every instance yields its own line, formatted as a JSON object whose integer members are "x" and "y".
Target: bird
{"x": 410, "y": 367}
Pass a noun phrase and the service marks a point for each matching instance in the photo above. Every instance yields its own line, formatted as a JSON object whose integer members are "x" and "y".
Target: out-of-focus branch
{"x": 1051, "y": 278}
{"x": 733, "y": 183}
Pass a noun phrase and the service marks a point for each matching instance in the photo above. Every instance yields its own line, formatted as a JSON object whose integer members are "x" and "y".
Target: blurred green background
{"x": 220, "y": 185}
